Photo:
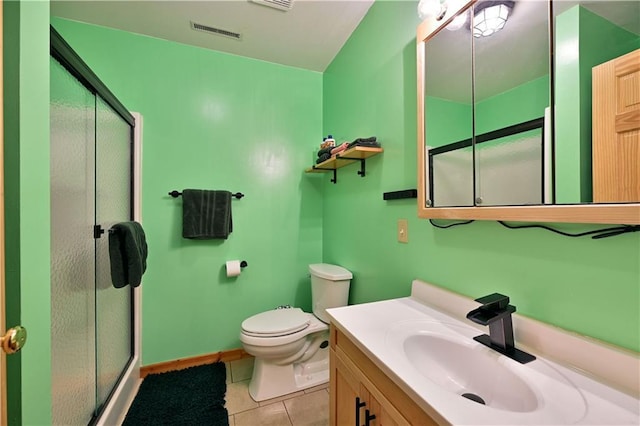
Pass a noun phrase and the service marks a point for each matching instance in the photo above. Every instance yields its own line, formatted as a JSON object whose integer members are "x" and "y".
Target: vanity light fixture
{"x": 490, "y": 17}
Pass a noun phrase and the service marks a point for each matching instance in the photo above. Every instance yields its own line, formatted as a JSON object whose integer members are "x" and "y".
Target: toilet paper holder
{"x": 235, "y": 267}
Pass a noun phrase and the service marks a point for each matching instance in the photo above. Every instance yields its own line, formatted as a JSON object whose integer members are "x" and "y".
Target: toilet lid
{"x": 277, "y": 322}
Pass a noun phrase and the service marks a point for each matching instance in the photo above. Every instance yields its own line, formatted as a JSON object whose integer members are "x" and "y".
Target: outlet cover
{"x": 403, "y": 231}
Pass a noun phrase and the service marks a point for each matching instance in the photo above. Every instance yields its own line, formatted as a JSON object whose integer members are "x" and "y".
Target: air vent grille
{"x": 276, "y": 4}
{"x": 216, "y": 31}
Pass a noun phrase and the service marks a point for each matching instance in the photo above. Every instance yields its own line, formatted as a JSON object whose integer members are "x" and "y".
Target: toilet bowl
{"x": 290, "y": 346}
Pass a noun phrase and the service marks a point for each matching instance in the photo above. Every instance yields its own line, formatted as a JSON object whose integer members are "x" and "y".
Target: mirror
{"x": 588, "y": 37}
{"x": 485, "y": 122}
{"x": 500, "y": 143}
{"x": 449, "y": 117}
{"x": 511, "y": 73}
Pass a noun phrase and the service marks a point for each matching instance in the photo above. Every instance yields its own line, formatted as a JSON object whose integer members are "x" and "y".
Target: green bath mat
{"x": 193, "y": 396}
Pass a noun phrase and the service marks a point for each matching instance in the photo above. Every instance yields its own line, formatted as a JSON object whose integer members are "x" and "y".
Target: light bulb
{"x": 430, "y": 8}
{"x": 458, "y": 22}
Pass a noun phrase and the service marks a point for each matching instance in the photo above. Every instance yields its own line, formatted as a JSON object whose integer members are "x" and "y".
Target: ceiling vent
{"x": 216, "y": 31}
{"x": 276, "y": 4}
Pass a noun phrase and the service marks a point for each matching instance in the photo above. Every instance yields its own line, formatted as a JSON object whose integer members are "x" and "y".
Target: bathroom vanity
{"x": 414, "y": 360}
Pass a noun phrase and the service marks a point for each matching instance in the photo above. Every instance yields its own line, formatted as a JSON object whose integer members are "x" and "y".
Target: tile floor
{"x": 305, "y": 408}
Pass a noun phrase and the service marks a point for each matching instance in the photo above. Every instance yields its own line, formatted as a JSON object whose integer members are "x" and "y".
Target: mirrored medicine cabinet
{"x": 537, "y": 119}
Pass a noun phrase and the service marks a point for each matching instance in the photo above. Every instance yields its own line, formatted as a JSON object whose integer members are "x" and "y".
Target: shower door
{"x": 91, "y": 329}
{"x": 114, "y": 311}
{"x": 72, "y": 252}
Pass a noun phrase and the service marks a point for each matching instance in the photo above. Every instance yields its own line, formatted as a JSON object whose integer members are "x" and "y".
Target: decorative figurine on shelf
{"x": 328, "y": 142}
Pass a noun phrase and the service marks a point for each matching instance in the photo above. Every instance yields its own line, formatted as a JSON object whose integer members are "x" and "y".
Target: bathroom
{"x": 220, "y": 121}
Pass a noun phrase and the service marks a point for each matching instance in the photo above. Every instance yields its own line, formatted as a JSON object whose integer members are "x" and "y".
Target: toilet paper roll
{"x": 233, "y": 268}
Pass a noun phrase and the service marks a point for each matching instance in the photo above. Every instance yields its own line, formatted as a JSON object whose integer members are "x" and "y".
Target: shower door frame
{"x": 118, "y": 401}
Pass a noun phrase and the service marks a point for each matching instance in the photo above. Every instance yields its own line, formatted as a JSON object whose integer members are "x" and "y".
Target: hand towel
{"x": 323, "y": 157}
{"x": 371, "y": 142}
{"x": 127, "y": 254}
{"x": 206, "y": 214}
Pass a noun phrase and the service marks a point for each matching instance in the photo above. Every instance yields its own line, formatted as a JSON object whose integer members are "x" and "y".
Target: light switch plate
{"x": 403, "y": 231}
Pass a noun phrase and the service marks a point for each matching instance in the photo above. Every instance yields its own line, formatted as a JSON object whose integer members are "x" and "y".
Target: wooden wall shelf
{"x": 351, "y": 155}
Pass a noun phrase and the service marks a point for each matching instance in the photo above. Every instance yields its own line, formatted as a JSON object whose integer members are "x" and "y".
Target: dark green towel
{"x": 206, "y": 214}
{"x": 127, "y": 254}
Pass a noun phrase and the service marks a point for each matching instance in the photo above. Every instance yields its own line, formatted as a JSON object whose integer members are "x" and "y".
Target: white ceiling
{"x": 308, "y": 36}
{"x": 312, "y": 32}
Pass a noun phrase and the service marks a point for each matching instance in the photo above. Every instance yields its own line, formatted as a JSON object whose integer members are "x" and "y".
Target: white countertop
{"x": 563, "y": 395}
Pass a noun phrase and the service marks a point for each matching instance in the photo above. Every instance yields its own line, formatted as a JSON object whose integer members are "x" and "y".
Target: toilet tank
{"x": 329, "y": 288}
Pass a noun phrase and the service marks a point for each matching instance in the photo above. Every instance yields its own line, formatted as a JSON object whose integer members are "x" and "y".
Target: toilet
{"x": 290, "y": 346}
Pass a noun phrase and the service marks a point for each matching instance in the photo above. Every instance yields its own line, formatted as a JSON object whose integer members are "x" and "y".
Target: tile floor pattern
{"x": 305, "y": 408}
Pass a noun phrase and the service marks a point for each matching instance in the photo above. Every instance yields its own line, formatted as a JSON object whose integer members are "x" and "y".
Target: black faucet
{"x": 496, "y": 313}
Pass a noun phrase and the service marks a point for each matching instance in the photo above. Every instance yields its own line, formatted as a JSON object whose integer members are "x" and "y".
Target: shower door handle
{"x": 97, "y": 231}
{"x": 14, "y": 339}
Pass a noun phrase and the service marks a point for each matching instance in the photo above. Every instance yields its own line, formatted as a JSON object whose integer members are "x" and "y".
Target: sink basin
{"x": 475, "y": 374}
{"x": 442, "y": 360}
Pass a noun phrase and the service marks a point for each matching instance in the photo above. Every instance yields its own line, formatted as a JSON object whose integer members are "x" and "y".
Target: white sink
{"x": 443, "y": 356}
{"x": 432, "y": 357}
{"x": 474, "y": 374}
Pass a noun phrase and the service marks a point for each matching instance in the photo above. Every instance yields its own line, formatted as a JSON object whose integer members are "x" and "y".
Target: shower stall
{"x": 91, "y": 178}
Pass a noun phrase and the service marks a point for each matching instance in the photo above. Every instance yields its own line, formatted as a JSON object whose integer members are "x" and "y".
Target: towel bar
{"x": 176, "y": 194}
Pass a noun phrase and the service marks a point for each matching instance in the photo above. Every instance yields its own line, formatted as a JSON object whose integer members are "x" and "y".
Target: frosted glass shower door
{"x": 91, "y": 185}
{"x": 509, "y": 170}
{"x": 113, "y": 204}
{"x": 73, "y": 355}
{"x": 452, "y": 177}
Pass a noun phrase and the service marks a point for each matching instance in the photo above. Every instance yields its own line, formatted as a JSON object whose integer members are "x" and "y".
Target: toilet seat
{"x": 275, "y": 323}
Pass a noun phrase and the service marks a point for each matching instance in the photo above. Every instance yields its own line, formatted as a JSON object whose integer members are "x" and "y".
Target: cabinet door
{"x": 344, "y": 387}
{"x": 385, "y": 414}
{"x": 356, "y": 401}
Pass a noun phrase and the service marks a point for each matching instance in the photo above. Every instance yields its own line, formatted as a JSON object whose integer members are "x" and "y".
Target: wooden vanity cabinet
{"x": 362, "y": 395}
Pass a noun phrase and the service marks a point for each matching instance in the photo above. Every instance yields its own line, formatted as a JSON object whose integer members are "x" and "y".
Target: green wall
{"x": 215, "y": 121}
{"x": 221, "y": 121}
{"x": 583, "y": 40}
{"x": 509, "y": 108}
{"x": 26, "y": 151}
{"x": 449, "y": 121}
{"x": 588, "y": 286}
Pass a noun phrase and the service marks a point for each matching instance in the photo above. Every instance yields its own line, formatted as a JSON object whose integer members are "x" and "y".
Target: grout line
{"x": 288, "y": 415}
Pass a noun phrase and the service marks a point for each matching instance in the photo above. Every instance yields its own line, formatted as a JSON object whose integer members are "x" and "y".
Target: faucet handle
{"x": 494, "y": 301}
